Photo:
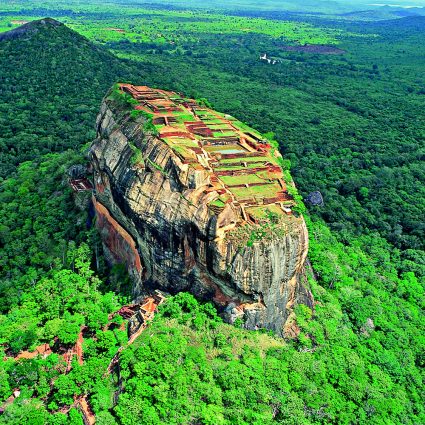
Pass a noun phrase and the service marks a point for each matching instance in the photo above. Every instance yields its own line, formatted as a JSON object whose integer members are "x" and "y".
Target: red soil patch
{"x": 41, "y": 350}
{"x": 89, "y": 418}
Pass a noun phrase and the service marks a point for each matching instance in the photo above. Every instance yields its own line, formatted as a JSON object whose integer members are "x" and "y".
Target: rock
{"x": 315, "y": 198}
{"x": 157, "y": 217}
{"x": 368, "y": 327}
{"x": 232, "y": 312}
{"x": 77, "y": 171}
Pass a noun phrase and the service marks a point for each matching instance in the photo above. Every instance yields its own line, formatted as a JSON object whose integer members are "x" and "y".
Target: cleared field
{"x": 225, "y": 134}
{"x": 225, "y": 149}
{"x": 242, "y": 126}
{"x": 218, "y": 203}
{"x": 259, "y": 159}
{"x": 268, "y": 190}
{"x": 264, "y": 212}
{"x": 109, "y": 22}
{"x": 212, "y": 122}
{"x": 269, "y": 175}
{"x": 232, "y": 168}
{"x": 242, "y": 179}
{"x": 182, "y": 116}
{"x": 219, "y": 126}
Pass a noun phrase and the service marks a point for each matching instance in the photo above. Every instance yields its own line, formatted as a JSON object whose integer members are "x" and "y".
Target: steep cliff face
{"x": 190, "y": 209}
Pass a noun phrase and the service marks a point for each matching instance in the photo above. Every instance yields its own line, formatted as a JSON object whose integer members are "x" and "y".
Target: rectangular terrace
{"x": 242, "y": 161}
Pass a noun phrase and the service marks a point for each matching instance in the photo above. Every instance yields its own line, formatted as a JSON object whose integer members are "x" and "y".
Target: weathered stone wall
{"x": 118, "y": 244}
{"x": 183, "y": 245}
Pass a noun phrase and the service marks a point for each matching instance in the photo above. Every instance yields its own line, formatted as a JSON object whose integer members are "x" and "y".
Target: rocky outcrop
{"x": 156, "y": 214}
{"x": 28, "y": 29}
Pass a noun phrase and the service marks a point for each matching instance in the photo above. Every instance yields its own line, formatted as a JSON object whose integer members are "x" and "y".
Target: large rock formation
{"x": 192, "y": 200}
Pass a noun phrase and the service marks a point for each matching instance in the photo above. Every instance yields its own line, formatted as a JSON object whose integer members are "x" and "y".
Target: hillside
{"x": 49, "y": 104}
{"x": 52, "y": 81}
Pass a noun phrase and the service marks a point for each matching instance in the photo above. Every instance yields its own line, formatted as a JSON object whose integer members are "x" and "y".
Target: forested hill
{"x": 52, "y": 81}
{"x": 50, "y": 104}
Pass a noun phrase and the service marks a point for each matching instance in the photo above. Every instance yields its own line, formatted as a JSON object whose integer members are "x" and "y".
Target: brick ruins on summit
{"x": 245, "y": 170}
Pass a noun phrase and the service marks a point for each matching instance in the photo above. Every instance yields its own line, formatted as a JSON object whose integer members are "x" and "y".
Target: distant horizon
{"x": 395, "y": 5}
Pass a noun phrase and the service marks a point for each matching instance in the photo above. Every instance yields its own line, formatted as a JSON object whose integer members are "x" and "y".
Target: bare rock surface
{"x": 155, "y": 216}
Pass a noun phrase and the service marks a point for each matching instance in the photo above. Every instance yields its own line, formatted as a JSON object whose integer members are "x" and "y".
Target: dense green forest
{"x": 51, "y": 103}
{"x": 352, "y": 126}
